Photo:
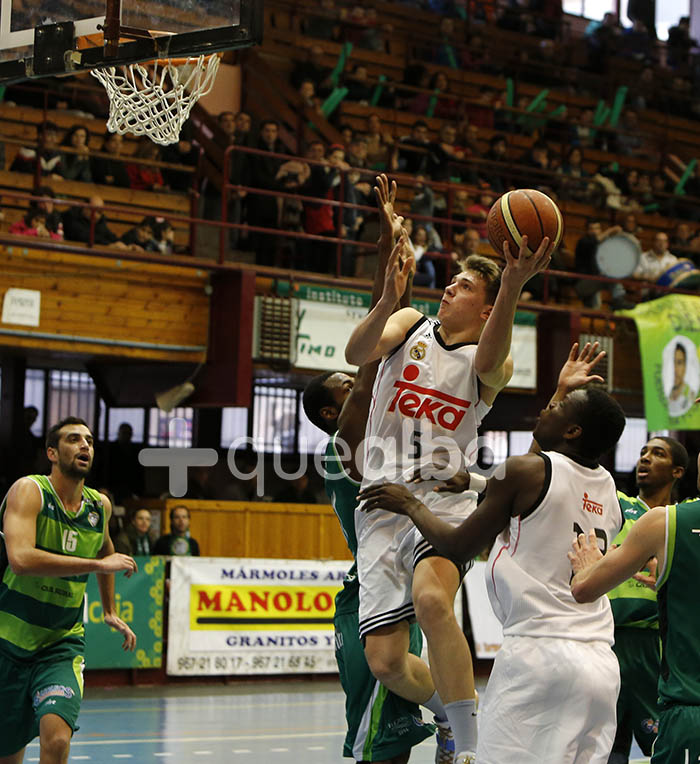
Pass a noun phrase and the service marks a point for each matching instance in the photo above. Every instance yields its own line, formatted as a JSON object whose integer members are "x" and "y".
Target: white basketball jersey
{"x": 425, "y": 399}
{"x": 528, "y": 573}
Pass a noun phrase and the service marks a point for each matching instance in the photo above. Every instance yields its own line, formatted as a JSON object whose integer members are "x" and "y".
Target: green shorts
{"x": 51, "y": 683}
{"x": 638, "y": 652}
{"x": 678, "y": 739}
{"x": 381, "y": 725}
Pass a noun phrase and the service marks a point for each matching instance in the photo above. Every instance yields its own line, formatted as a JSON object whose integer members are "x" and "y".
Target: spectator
{"x": 227, "y": 122}
{"x": 124, "y": 473}
{"x": 297, "y": 491}
{"x": 142, "y": 176}
{"x": 313, "y": 69}
{"x": 413, "y": 149}
{"x": 77, "y": 224}
{"x": 423, "y": 206}
{"x": 76, "y": 164}
{"x": 140, "y": 237}
{"x": 359, "y": 87}
{"x": 448, "y": 52}
{"x": 491, "y": 176}
{"x": 446, "y": 107}
{"x": 602, "y": 39}
{"x": 137, "y": 539}
{"x": 164, "y": 237}
{"x": 34, "y": 224}
{"x": 111, "y": 170}
{"x": 445, "y": 156}
{"x": 263, "y": 210}
{"x": 347, "y": 134}
{"x": 381, "y": 150}
{"x": 585, "y": 263}
{"x": 308, "y": 98}
{"x": 184, "y": 152}
{"x": 629, "y": 140}
{"x": 347, "y": 219}
{"x": 583, "y": 131}
{"x": 243, "y": 133}
{"x": 50, "y": 158}
{"x": 478, "y": 212}
{"x": 178, "y": 541}
{"x": 635, "y": 41}
{"x": 679, "y": 44}
{"x": 655, "y": 261}
{"x": 682, "y": 237}
{"x": 631, "y": 227}
{"x": 425, "y": 270}
{"x": 45, "y": 203}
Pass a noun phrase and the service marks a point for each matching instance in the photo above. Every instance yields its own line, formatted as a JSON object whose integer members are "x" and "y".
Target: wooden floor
{"x": 252, "y": 723}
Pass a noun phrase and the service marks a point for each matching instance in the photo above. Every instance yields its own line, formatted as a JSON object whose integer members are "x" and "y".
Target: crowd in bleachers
{"x": 455, "y": 145}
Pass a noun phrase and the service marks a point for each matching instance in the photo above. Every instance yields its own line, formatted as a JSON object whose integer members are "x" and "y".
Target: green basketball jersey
{"x": 38, "y": 611}
{"x": 633, "y": 604}
{"x": 342, "y": 490}
{"x": 679, "y": 615}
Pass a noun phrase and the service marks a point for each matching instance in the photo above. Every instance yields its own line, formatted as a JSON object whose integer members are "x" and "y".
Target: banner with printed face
{"x": 248, "y": 616}
{"x": 139, "y": 603}
{"x": 325, "y": 317}
{"x": 669, "y": 339}
{"x": 486, "y": 628}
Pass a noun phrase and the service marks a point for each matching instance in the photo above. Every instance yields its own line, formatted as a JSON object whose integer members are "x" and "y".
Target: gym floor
{"x": 250, "y": 723}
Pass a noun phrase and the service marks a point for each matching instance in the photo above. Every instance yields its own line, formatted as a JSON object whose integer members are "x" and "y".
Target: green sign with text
{"x": 139, "y": 603}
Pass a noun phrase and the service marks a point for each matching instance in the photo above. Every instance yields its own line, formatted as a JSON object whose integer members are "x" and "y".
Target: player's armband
{"x": 477, "y": 482}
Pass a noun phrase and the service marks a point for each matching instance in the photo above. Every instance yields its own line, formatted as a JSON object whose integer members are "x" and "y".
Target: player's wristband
{"x": 477, "y": 482}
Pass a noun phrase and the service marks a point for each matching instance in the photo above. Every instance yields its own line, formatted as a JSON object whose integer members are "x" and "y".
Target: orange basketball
{"x": 524, "y": 212}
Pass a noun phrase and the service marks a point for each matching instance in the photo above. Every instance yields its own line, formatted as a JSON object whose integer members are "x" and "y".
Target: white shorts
{"x": 549, "y": 701}
{"x": 388, "y": 549}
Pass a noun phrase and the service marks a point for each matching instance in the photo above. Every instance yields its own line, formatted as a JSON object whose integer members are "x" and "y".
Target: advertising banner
{"x": 486, "y": 628}
{"x": 669, "y": 338}
{"x": 325, "y": 317}
{"x": 139, "y": 603}
{"x": 249, "y": 616}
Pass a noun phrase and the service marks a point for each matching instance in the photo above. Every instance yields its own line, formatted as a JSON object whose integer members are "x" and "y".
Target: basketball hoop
{"x": 155, "y": 99}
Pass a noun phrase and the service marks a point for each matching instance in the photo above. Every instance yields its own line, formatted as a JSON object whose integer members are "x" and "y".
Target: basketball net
{"x": 155, "y": 99}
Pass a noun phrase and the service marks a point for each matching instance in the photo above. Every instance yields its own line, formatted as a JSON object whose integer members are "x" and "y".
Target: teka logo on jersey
{"x": 414, "y": 401}
{"x": 592, "y": 506}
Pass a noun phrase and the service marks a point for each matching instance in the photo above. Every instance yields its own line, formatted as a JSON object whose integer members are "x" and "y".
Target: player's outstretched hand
{"x": 115, "y": 622}
{"x": 389, "y": 222}
{"x": 584, "y": 551}
{"x": 576, "y": 372}
{"x": 451, "y": 480}
{"x": 648, "y": 576}
{"x": 113, "y": 563}
{"x": 392, "y": 497}
{"x": 398, "y": 269}
{"x": 523, "y": 267}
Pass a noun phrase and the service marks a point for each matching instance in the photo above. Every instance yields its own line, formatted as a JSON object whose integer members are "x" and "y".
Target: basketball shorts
{"x": 381, "y": 725}
{"x": 638, "y": 652}
{"x": 390, "y": 547}
{"x": 679, "y": 739}
{"x": 51, "y": 683}
{"x": 549, "y": 701}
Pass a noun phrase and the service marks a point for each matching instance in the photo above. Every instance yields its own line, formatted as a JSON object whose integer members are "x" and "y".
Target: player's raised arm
{"x": 494, "y": 344}
{"x": 380, "y": 331}
{"x": 595, "y": 574}
{"x": 575, "y": 373}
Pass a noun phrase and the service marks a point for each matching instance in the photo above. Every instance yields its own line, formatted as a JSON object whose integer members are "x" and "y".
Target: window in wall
{"x": 34, "y": 387}
{"x": 275, "y": 411}
{"x": 493, "y": 448}
{"x": 591, "y": 9}
{"x": 309, "y": 435}
{"x": 133, "y": 416}
{"x": 173, "y": 429}
{"x": 234, "y": 424}
{"x": 630, "y": 444}
{"x": 71, "y": 393}
{"x": 519, "y": 442}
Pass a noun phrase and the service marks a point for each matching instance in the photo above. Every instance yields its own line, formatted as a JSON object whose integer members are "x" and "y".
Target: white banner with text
{"x": 250, "y": 616}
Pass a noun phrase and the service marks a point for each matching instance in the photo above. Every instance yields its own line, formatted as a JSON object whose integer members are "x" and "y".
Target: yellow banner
{"x": 260, "y": 607}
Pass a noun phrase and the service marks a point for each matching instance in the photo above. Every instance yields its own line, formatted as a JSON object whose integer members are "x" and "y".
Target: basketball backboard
{"x": 36, "y": 41}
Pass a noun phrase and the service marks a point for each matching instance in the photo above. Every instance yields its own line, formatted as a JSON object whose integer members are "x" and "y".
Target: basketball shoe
{"x": 466, "y": 757}
{"x": 445, "y": 751}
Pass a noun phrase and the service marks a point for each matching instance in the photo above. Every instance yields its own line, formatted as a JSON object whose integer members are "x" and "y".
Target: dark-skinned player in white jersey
{"x": 540, "y": 706}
